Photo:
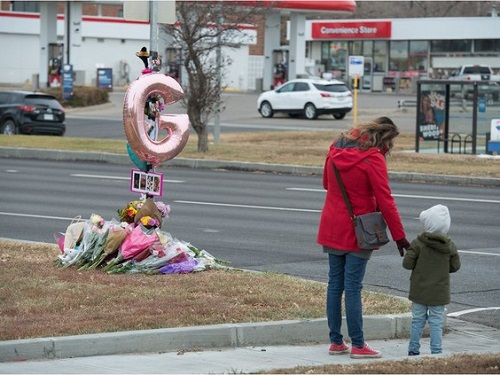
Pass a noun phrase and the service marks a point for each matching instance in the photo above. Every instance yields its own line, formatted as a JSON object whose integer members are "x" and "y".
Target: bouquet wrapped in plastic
{"x": 134, "y": 244}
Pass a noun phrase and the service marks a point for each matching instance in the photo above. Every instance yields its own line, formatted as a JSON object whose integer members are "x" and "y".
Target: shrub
{"x": 83, "y": 96}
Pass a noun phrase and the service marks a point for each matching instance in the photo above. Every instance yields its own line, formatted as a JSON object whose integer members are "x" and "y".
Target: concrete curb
{"x": 62, "y": 155}
{"x": 287, "y": 332}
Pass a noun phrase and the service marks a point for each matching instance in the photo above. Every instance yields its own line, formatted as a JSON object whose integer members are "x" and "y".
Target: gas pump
{"x": 368, "y": 73}
{"x": 173, "y": 63}
{"x": 280, "y": 67}
{"x": 55, "y": 64}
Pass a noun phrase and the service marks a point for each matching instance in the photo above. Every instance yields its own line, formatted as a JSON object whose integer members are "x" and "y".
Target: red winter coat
{"x": 366, "y": 181}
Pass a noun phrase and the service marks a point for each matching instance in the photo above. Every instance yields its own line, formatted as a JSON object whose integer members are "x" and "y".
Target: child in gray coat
{"x": 432, "y": 256}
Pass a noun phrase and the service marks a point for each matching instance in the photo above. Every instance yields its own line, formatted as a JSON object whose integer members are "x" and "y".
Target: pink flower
{"x": 163, "y": 208}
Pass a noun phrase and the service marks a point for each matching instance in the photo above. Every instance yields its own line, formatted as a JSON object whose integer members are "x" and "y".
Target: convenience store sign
{"x": 351, "y": 30}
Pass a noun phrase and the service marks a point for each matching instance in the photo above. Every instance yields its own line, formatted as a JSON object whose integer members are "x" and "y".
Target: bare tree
{"x": 423, "y": 8}
{"x": 203, "y": 28}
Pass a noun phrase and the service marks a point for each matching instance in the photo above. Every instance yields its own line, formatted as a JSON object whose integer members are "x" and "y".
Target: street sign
{"x": 356, "y": 66}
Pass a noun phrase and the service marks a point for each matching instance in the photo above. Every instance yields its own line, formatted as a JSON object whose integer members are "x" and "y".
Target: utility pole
{"x": 153, "y": 29}
{"x": 219, "y": 75}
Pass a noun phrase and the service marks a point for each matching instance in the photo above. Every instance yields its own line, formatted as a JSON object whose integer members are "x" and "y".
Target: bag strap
{"x": 344, "y": 193}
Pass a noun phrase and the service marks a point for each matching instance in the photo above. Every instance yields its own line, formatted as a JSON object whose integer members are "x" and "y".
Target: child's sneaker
{"x": 338, "y": 348}
{"x": 365, "y": 352}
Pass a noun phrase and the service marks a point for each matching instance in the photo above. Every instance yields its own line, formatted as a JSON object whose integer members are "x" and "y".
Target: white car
{"x": 307, "y": 97}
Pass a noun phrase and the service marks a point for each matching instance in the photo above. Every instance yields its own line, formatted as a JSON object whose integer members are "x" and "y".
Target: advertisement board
{"x": 105, "y": 78}
{"x": 431, "y": 115}
{"x": 67, "y": 81}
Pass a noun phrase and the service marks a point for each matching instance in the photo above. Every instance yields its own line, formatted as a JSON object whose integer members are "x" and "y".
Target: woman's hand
{"x": 403, "y": 245}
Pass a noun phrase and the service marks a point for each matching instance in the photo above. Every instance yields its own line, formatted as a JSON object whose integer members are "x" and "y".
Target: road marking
{"x": 37, "y": 216}
{"x": 463, "y": 312}
{"x": 477, "y": 252}
{"x": 247, "y": 206}
{"x": 118, "y": 178}
{"x": 11, "y": 171}
{"x": 410, "y": 196}
{"x": 447, "y": 198}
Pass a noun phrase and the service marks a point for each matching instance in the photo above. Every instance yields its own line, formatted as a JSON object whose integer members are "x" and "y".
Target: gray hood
{"x": 436, "y": 219}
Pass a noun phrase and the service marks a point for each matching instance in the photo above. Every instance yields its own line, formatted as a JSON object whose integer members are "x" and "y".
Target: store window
{"x": 418, "y": 52}
{"x": 26, "y": 6}
{"x": 334, "y": 58}
{"x": 398, "y": 55}
{"x": 379, "y": 56}
{"x": 451, "y": 46}
{"x": 487, "y": 45}
{"x": 368, "y": 48}
{"x": 325, "y": 54}
{"x": 356, "y": 48}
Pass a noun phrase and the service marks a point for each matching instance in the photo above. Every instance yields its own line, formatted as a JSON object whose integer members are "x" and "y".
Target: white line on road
{"x": 477, "y": 252}
{"x": 411, "y": 196}
{"x": 118, "y": 178}
{"x": 248, "y": 206}
{"x": 36, "y": 216}
{"x": 218, "y": 205}
{"x": 463, "y": 312}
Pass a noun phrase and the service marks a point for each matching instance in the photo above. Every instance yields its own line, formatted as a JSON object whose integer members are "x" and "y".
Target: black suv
{"x": 24, "y": 112}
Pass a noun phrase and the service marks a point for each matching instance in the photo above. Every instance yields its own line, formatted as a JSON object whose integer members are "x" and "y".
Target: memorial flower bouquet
{"x": 135, "y": 244}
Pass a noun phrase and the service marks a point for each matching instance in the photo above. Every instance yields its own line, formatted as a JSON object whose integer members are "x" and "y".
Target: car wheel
{"x": 310, "y": 111}
{"x": 266, "y": 110}
{"x": 339, "y": 116}
{"x": 9, "y": 127}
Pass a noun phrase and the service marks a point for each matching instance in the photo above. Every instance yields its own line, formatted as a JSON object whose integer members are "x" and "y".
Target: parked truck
{"x": 475, "y": 73}
{"x": 490, "y": 83}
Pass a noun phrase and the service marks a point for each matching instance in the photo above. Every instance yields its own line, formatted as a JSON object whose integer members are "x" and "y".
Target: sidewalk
{"x": 462, "y": 338}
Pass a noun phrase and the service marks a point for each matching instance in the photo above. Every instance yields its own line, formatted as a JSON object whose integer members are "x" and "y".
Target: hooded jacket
{"x": 365, "y": 177}
{"x": 432, "y": 256}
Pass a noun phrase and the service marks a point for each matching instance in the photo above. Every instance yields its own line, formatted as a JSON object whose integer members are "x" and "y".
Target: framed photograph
{"x": 146, "y": 182}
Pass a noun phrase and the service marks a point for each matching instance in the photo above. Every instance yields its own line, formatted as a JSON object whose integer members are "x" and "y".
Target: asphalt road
{"x": 265, "y": 222}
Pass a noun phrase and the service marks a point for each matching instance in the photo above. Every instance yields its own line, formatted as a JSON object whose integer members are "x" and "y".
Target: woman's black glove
{"x": 403, "y": 245}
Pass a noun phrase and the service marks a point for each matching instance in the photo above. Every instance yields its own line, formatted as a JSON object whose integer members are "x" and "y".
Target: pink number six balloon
{"x": 177, "y": 126}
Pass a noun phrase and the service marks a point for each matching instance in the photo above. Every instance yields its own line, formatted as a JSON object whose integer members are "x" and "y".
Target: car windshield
{"x": 42, "y": 101}
{"x": 331, "y": 87}
{"x": 477, "y": 70}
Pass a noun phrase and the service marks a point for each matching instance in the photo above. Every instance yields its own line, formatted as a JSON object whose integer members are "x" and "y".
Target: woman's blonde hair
{"x": 379, "y": 133}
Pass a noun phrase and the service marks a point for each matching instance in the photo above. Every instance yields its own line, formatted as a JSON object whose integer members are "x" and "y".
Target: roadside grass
{"x": 296, "y": 148}
{"x": 38, "y": 299}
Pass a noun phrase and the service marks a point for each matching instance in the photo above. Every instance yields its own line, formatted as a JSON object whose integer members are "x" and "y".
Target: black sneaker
{"x": 413, "y": 353}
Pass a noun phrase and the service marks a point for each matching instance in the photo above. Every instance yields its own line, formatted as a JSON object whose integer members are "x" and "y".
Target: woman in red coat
{"x": 360, "y": 157}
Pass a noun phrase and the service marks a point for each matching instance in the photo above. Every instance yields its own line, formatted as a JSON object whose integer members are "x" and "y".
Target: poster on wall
{"x": 431, "y": 115}
{"x": 146, "y": 182}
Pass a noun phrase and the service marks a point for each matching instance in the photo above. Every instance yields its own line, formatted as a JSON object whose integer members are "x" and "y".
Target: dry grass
{"x": 297, "y": 148}
{"x": 457, "y": 364}
{"x": 40, "y": 300}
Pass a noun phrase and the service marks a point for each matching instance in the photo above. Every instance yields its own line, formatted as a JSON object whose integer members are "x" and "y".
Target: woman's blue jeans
{"x": 420, "y": 314}
{"x": 346, "y": 274}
